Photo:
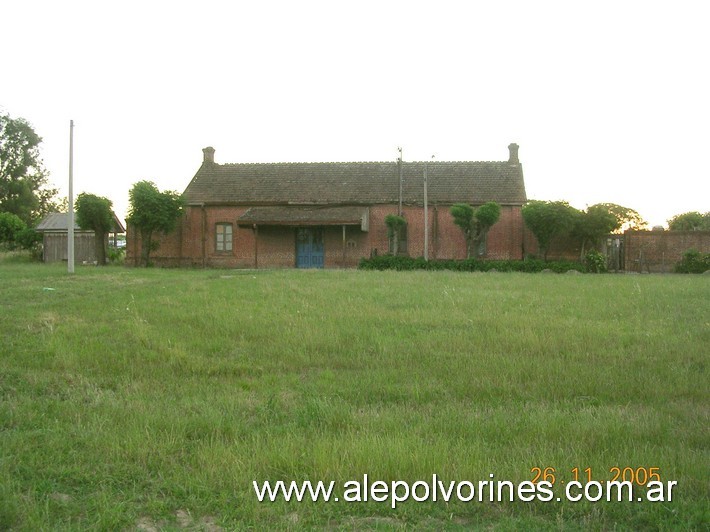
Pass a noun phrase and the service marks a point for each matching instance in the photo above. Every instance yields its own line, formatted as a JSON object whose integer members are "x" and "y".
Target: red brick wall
{"x": 338, "y": 255}
{"x": 561, "y": 248}
{"x": 446, "y": 240}
{"x": 276, "y": 246}
{"x": 659, "y": 251}
{"x": 193, "y": 242}
{"x": 505, "y": 240}
{"x": 648, "y": 251}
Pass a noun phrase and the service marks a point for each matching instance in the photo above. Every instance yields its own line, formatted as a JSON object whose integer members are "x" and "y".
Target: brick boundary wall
{"x": 660, "y": 251}
{"x": 643, "y": 251}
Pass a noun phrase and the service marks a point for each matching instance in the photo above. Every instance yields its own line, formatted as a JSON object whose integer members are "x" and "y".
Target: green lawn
{"x": 151, "y": 399}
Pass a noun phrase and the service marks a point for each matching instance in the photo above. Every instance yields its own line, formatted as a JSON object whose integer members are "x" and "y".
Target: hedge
{"x": 391, "y": 262}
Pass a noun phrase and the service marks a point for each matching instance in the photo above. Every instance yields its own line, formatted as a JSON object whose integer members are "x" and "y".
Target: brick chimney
{"x": 513, "y": 158}
{"x": 208, "y": 155}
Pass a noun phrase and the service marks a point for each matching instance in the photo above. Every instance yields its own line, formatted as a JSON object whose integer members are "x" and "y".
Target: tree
{"x": 10, "y": 226}
{"x": 475, "y": 222}
{"x": 627, "y": 219}
{"x": 602, "y": 219}
{"x": 151, "y": 210}
{"x": 690, "y": 221}
{"x": 549, "y": 219}
{"x": 395, "y": 225}
{"x": 28, "y": 238}
{"x": 94, "y": 213}
{"x": 23, "y": 179}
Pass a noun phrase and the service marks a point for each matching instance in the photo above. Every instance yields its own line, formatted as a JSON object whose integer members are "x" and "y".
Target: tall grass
{"x": 138, "y": 398}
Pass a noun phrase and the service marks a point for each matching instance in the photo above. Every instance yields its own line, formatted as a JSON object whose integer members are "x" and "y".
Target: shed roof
{"x": 356, "y": 183}
{"x": 59, "y": 222}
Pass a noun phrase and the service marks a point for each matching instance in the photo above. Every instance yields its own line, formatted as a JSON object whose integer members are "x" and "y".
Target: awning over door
{"x": 301, "y": 216}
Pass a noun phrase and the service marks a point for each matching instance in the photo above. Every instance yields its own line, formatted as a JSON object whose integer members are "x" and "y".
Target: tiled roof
{"x": 364, "y": 183}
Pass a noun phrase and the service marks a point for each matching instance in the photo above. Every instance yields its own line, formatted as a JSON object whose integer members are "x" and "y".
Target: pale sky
{"x": 608, "y": 100}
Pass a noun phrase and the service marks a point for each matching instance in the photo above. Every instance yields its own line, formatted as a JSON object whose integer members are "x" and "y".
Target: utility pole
{"x": 70, "y": 214}
{"x": 401, "y": 163}
{"x": 426, "y": 213}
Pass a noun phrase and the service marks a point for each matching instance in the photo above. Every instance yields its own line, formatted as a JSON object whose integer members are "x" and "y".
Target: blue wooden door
{"x": 309, "y": 247}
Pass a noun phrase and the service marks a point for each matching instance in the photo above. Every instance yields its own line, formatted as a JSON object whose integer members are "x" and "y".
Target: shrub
{"x": 384, "y": 262}
{"x": 563, "y": 266}
{"x": 37, "y": 252}
{"x": 595, "y": 262}
{"x": 395, "y": 227}
{"x": 10, "y": 225}
{"x": 390, "y": 262}
{"x": 116, "y": 255}
{"x": 28, "y": 238}
{"x": 693, "y": 262}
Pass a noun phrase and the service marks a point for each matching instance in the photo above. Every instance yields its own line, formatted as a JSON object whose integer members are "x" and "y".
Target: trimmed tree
{"x": 395, "y": 224}
{"x": 94, "y": 213}
{"x": 152, "y": 211}
{"x": 549, "y": 219}
{"x": 475, "y": 222}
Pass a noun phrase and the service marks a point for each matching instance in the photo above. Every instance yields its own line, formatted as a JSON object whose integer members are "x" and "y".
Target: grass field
{"x": 151, "y": 399}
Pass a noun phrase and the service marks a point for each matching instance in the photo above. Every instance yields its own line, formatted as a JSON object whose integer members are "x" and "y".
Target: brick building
{"x": 332, "y": 214}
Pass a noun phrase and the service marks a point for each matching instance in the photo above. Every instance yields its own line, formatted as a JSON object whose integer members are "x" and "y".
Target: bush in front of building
{"x": 595, "y": 262}
{"x": 693, "y": 262}
{"x": 116, "y": 255}
{"x": 391, "y": 262}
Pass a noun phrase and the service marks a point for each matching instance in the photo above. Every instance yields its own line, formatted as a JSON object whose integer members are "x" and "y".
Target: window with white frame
{"x": 223, "y": 237}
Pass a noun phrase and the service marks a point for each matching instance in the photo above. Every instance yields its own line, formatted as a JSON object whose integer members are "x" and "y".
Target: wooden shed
{"x": 54, "y": 228}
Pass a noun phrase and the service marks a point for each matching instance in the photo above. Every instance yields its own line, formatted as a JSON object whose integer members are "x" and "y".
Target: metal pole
{"x": 426, "y": 216}
{"x": 426, "y": 212}
{"x": 401, "y": 163}
{"x": 344, "y": 244}
{"x": 256, "y": 247}
{"x": 70, "y": 214}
